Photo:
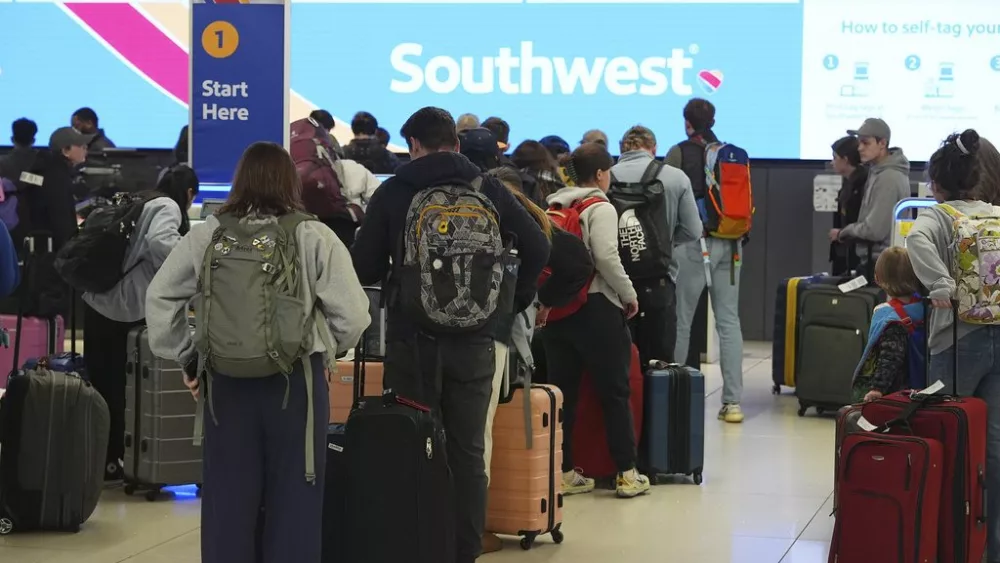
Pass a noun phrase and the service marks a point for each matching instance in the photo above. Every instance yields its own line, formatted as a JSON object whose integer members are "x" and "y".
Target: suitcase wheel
{"x": 776, "y": 389}
{"x": 557, "y": 535}
{"x": 802, "y": 410}
{"x": 129, "y": 489}
{"x": 6, "y": 526}
{"x": 528, "y": 540}
{"x": 697, "y": 478}
{"x": 152, "y": 495}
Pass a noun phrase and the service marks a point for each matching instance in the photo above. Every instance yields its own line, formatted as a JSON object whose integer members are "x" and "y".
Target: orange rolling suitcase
{"x": 525, "y": 495}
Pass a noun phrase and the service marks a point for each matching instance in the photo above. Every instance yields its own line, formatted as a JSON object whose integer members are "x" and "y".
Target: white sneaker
{"x": 574, "y": 483}
{"x": 731, "y": 413}
{"x": 632, "y": 484}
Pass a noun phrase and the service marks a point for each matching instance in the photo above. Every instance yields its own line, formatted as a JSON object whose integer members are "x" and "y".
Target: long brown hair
{"x": 265, "y": 183}
{"x": 989, "y": 177}
{"x": 512, "y": 180}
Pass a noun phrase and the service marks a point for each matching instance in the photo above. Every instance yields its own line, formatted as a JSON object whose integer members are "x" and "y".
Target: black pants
{"x": 654, "y": 329}
{"x": 105, "y": 347}
{"x": 596, "y": 340}
{"x": 454, "y": 377}
{"x": 254, "y": 454}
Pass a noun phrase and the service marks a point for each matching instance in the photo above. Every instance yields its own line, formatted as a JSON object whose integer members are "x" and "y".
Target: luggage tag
{"x": 856, "y": 283}
{"x": 5, "y": 338}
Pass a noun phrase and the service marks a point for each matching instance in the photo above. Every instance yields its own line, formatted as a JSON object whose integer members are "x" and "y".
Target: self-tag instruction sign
{"x": 239, "y": 82}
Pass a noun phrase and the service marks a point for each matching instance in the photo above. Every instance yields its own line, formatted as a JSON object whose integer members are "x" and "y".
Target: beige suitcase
{"x": 525, "y": 495}
{"x": 342, "y": 388}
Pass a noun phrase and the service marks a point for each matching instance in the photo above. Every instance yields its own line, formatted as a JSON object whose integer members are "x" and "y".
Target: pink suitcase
{"x": 35, "y": 341}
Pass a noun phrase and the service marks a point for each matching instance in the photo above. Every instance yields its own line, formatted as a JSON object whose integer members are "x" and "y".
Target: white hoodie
{"x": 599, "y": 224}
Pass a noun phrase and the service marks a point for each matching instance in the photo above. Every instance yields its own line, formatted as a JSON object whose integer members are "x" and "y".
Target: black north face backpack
{"x": 644, "y": 241}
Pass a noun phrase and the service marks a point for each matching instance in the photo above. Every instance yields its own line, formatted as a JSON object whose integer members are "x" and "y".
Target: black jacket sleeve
{"x": 372, "y": 246}
{"x": 532, "y": 246}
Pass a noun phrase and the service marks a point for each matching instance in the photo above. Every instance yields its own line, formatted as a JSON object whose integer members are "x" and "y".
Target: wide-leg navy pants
{"x": 254, "y": 454}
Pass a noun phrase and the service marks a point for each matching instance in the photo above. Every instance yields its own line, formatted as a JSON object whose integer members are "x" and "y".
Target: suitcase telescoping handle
{"x": 22, "y": 294}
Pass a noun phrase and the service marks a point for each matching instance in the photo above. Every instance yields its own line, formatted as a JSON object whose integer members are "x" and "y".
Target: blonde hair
{"x": 638, "y": 138}
{"x": 512, "y": 181}
{"x": 894, "y": 273}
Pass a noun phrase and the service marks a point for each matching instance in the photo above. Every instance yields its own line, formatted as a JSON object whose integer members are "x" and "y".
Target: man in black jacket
{"x": 22, "y": 156}
{"x": 465, "y": 363}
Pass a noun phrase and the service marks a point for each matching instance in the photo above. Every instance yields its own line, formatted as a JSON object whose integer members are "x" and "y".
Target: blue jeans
{"x": 979, "y": 376}
{"x": 725, "y": 299}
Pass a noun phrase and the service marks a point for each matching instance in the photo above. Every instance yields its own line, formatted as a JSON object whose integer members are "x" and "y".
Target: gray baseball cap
{"x": 872, "y": 127}
{"x": 66, "y": 137}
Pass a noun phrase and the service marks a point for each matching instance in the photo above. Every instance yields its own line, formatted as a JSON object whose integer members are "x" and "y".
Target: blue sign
{"x": 239, "y": 86}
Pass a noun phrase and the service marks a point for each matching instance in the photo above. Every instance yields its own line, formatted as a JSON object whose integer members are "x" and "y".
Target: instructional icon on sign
{"x": 831, "y": 62}
{"x": 220, "y": 39}
{"x": 995, "y": 63}
{"x": 860, "y": 87}
{"x": 912, "y": 62}
{"x": 943, "y": 85}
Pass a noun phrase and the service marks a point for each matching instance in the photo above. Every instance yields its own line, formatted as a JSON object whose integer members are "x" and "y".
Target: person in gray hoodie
{"x": 888, "y": 183}
{"x": 109, "y": 316}
{"x": 595, "y": 338}
{"x": 955, "y": 173}
{"x": 654, "y": 329}
{"x": 253, "y": 448}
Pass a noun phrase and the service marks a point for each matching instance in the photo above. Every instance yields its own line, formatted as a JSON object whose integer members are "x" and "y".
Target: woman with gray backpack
{"x": 276, "y": 299}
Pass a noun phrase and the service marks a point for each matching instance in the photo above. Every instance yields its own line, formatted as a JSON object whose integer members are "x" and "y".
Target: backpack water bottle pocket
{"x": 290, "y": 325}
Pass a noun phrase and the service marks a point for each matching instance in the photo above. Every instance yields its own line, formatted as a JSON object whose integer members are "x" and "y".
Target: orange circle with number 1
{"x": 220, "y": 39}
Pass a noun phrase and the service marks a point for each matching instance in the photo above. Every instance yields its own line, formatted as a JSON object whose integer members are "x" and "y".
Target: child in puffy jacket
{"x": 895, "y": 355}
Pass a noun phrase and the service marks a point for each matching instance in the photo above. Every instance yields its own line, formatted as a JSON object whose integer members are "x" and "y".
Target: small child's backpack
{"x": 727, "y": 208}
{"x": 916, "y": 351}
{"x": 454, "y": 260}
{"x": 568, "y": 219}
{"x": 976, "y": 266}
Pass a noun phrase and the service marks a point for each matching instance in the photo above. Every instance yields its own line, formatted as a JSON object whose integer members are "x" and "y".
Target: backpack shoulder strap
{"x": 291, "y": 221}
{"x": 951, "y": 211}
{"x": 586, "y": 203}
{"x": 652, "y": 172}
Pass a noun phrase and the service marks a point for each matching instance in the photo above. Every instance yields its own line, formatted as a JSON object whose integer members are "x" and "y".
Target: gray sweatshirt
{"x": 682, "y": 212}
{"x": 599, "y": 224}
{"x": 324, "y": 262}
{"x": 156, "y": 234}
{"x": 931, "y": 249}
{"x": 888, "y": 182}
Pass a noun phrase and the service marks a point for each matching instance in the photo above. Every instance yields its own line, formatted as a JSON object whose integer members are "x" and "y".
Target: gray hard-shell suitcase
{"x": 832, "y": 335}
{"x": 159, "y": 422}
{"x": 54, "y": 435}
{"x": 673, "y": 435}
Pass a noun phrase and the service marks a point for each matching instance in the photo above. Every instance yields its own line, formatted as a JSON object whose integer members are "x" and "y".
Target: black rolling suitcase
{"x": 53, "y": 443}
{"x": 390, "y": 476}
{"x": 786, "y": 316}
{"x": 832, "y": 335}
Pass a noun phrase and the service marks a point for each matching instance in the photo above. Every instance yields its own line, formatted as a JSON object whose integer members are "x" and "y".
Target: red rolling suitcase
{"x": 959, "y": 423}
{"x": 590, "y": 442}
{"x": 888, "y": 499}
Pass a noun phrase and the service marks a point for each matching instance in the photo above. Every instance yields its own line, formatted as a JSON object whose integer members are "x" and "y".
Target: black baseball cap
{"x": 478, "y": 140}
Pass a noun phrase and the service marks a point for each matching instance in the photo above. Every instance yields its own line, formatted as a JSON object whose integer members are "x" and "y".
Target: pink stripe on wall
{"x": 140, "y": 42}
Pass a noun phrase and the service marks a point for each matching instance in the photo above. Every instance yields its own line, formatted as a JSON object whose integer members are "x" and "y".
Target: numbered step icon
{"x": 220, "y": 39}
{"x": 831, "y": 62}
{"x": 912, "y": 62}
{"x": 995, "y": 63}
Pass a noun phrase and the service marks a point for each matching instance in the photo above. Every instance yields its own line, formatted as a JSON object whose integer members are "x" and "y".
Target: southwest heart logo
{"x": 710, "y": 81}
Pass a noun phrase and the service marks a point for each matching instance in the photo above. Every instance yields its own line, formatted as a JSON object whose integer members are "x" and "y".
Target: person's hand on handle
{"x": 542, "y": 315}
{"x": 191, "y": 380}
{"x": 631, "y": 309}
{"x": 873, "y": 395}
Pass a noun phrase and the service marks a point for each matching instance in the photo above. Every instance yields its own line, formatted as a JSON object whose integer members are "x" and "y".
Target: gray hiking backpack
{"x": 250, "y": 318}
{"x": 454, "y": 261}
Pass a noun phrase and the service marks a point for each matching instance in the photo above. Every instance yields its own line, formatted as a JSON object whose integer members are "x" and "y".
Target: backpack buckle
{"x": 269, "y": 268}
